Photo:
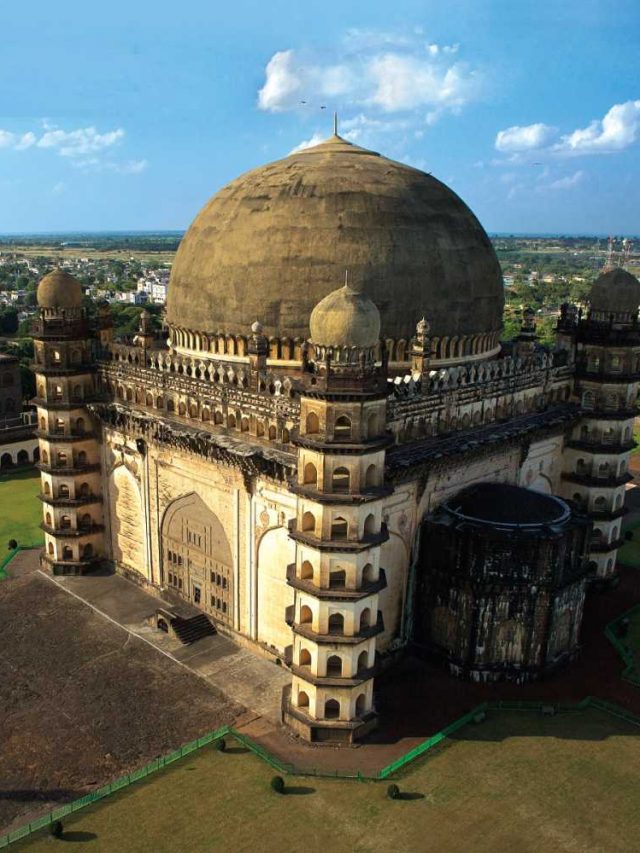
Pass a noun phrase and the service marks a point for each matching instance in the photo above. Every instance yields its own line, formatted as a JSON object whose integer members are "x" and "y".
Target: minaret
{"x": 596, "y": 460}
{"x": 69, "y": 459}
{"x": 338, "y": 529}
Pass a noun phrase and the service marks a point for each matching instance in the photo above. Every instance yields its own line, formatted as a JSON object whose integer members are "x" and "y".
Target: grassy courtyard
{"x": 20, "y": 510}
{"x": 629, "y": 554}
{"x": 517, "y": 781}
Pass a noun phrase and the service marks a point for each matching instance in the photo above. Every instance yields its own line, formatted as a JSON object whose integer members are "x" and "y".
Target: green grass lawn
{"x": 629, "y": 554}
{"x": 20, "y": 510}
{"x": 516, "y": 782}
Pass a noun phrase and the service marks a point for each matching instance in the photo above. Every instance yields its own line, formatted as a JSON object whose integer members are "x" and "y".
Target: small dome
{"x": 615, "y": 292}
{"x": 346, "y": 317}
{"x": 59, "y": 289}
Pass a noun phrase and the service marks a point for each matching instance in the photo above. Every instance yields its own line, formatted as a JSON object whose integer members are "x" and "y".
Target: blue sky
{"x": 129, "y": 116}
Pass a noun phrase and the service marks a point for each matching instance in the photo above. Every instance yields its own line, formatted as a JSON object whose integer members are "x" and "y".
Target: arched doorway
{"x": 196, "y": 557}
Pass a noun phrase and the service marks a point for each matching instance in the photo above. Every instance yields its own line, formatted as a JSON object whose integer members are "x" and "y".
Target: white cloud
{"x": 524, "y": 137}
{"x": 58, "y": 188}
{"x": 567, "y": 182}
{"x": 84, "y": 147}
{"x": 80, "y": 142}
{"x": 619, "y": 128}
{"x": 369, "y": 69}
{"x": 316, "y": 139}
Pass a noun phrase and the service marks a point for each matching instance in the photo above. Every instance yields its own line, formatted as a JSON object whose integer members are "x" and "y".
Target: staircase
{"x": 192, "y": 628}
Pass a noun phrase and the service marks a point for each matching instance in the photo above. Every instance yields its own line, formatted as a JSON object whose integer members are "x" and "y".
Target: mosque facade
{"x": 329, "y": 382}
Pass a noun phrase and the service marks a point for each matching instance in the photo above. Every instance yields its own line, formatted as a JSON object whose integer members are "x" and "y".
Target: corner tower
{"x": 596, "y": 469}
{"x": 69, "y": 458}
{"x": 338, "y": 529}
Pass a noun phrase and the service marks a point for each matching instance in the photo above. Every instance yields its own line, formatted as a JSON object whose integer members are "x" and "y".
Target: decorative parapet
{"x": 251, "y": 459}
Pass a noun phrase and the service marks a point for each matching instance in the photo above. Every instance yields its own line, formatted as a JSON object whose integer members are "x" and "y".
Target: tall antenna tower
{"x": 625, "y": 254}
{"x": 609, "y": 263}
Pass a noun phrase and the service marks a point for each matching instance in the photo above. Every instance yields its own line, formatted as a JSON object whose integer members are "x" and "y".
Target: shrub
{"x": 277, "y": 784}
{"x": 221, "y": 744}
{"x": 393, "y": 792}
{"x": 12, "y": 544}
{"x": 56, "y": 829}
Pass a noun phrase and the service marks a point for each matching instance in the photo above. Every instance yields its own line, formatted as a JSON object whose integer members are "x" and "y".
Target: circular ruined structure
{"x": 501, "y": 583}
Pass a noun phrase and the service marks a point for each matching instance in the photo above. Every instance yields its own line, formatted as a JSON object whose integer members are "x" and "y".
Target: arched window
{"x": 6, "y": 460}
{"x": 85, "y": 490}
{"x": 82, "y": 458}
{"x": 342, "y": 428}
{"x": 360, "y": 705}
{"x": 367, "y": 574}
{"x": 331, "y": 709}
{"x": 231, "y": 421}
{"x": 47, "y": 519}
{"x": 244, "y": 425}
{"x": 339, "y": 528}
{"x": 87, "y": 551}
{"x": 303, "y": 699}
{"x": 372, "y": 425}
{"x": 61, "y": 459}
{"x": 43, "y": 425}
{"x": 86, "y": 521}
{"x": 304, "y": 658}
{"x": 272, "y": 433}
{"x": 588, "y": 400}
{"x": 23, "y": 457}
{"x": 50, "y": 549}
{"x": 334, "y": 666}
{"x": 63, "y": 490}
{"x": 308, "y": 522}
{"x": 363, "y": 661}
{"x": 65, "y": 522}
{"x": 336, "y": 623}
{"x": 369, "y": 525}
{"x": 600, "y": 504}
{"x": 80, "y": 425}
{"x": 306, "y": 616}
{"x": 45, "y": 457}
{"x": 337, "y": 579}
{"x": 340, "y": 480}
{"x": 313, "y": 424}
{"x": 310, "y": 474}
{"x": 371, "y": 477}
{"x": 365, "y": 618}
{"x": 67, "y": 553}
{"x": 259, "y": 429}
{"x": 171, "y": 406}
{"x": 285, "y": 436}
{"x": 306, "y": 571}
{"x": 182, "y": 409}
{"x": 47, "y": 488}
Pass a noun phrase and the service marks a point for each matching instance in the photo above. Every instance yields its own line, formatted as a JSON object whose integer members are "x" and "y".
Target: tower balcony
{"x": 602, "y": 445}
{"x": 602, "y": 547}
{"x": 70, "y": 567}
{"x": 365, "y": 495}
{"x": 309, "y": 538}
{"x": 343, "y": 446}
{"x": 586, "y": 479}
{"x": 72, "y": 532}
{"x": 361, "y": 636}
{"x": 84, "y": 500}
{"x": 360, "y": 677}
{"x": 335, "y": 594}
{"x": 61, "y": 436}
{"x": 59, "y": 403}
{"x": 623, "y": 413}
{"x": 67, "y": 470}
{"x": 77, "y": 369}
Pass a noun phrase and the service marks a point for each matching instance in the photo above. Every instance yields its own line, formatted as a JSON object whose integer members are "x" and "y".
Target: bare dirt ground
{"x": 82, "y": 702}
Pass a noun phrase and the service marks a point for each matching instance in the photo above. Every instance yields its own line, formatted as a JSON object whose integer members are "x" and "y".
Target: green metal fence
{"x": 7, "y": 559}
{"x": 421, "y": 749}
{"x": 631, "y": 672}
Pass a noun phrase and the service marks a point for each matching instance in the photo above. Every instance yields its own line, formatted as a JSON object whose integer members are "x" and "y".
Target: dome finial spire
{"x": 335, "y": 124}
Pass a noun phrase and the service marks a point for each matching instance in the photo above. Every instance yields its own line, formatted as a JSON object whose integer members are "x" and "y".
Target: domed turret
{"x": 59, "y": 289}
{"x": 615, "y": 292}
{"x": 345, "y": 318}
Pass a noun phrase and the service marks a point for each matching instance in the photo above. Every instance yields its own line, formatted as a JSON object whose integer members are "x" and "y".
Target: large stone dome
{"x": 271, "y": 244}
